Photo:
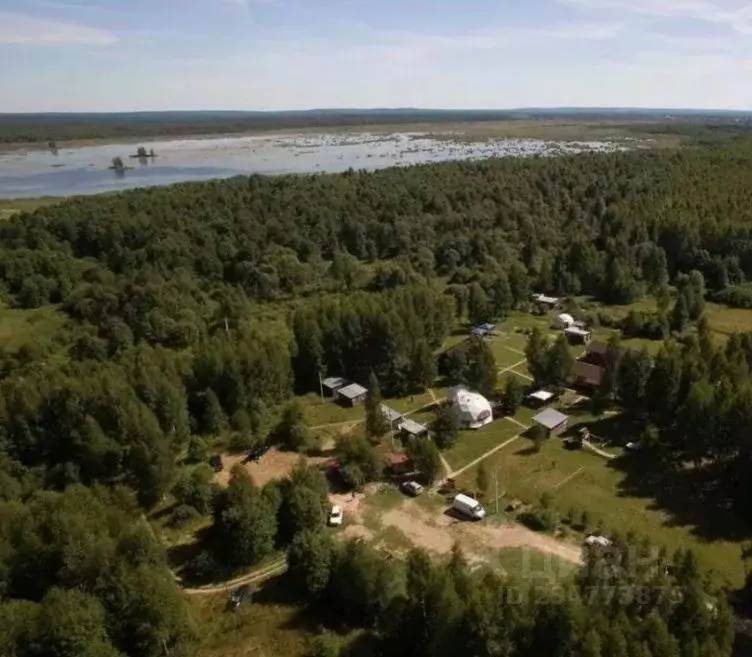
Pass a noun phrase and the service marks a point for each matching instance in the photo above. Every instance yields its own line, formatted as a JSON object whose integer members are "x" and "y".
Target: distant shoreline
{"x": 482, "y": 129}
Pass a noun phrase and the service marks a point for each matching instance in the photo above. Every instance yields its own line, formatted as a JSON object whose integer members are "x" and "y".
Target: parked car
{"x": 239, "y": 596}
{"x": 256, "y": 452}
{"x": 469, "y": 507}
{"x": 412, "y": 488}
{"x": 216, "y": 463}
{"x": 336, "y": 516}
{"x": 634, "y": 446}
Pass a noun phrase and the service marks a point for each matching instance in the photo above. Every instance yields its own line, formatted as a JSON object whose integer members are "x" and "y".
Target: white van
{"x": 468, "y": 506}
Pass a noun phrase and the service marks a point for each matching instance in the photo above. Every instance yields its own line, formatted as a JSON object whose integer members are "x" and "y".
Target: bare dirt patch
{"x": 418, "y": 528}
{"x": 438, "y": 533}
{"x": 350, "y": 505}
{"x": 273, "y": 465}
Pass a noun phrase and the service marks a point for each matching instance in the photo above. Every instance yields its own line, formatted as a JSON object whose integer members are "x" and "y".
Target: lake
{"x": 85, "y": 170}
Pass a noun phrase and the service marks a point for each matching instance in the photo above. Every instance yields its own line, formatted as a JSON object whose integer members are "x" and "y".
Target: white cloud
{"x": 24, "y": 29}
{"x": 723, "y": 12}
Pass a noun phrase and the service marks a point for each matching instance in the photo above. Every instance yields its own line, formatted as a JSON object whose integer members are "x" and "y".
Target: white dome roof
{"x": 471, "y": 409}
{"x": 565, "y": 318}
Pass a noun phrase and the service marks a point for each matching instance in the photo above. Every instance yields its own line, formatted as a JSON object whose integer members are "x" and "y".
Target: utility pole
{"x": 496, "y": 489}
{"x": 227, "y": 326}
{"x": 321, "y": 388}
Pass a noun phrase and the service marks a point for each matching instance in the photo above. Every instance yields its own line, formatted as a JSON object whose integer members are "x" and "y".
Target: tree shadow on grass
{"x": 695, "y": 497}
{"x": 311, "y": 617}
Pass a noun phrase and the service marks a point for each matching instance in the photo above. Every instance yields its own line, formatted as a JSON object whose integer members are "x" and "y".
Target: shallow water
{"x": 84, "y": 170}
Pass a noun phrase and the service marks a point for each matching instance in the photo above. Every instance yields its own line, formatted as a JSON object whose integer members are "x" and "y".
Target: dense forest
{"x": 201, "y": 308}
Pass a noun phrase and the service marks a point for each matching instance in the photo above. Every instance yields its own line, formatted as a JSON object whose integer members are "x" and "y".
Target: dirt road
{"x": 438, "y": 533}
{"x": 258, "y": 576}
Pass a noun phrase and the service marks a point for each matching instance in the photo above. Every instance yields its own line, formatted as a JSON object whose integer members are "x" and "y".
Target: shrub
{"x": 181, "y": 515}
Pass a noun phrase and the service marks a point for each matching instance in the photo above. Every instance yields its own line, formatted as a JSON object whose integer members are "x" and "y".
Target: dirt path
{"x": 485, "y": 456}
{"x": 258, "y": 576}
{"x": 606, "y": 455}
{"x": 331, "y": 425}
{"x": 511, "y": 367}
{"x": 439, "y": 533}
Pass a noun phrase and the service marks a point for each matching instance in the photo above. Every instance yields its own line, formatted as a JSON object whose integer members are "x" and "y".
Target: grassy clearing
{"x": 583, "y": 481}
{"x": 19, "y": 327}
{"x": 410, "y": 403}
{"x": 328, "y": 412}
{"x": 532, "y": 566}
{"x": 273, "y": 624}
{"x": 268, "y": 629}
{"x": 504, "y": 356}
{"x": 9, "y": 207}
{"x": 724, "y": 320}
{"x": 474, "y": 443}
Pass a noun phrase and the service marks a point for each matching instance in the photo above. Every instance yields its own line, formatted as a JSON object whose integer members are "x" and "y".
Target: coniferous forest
{"x": 201, "y": 308}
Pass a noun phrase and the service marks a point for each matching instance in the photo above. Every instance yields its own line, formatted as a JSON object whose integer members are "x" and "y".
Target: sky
{"x": 126, "y": 55}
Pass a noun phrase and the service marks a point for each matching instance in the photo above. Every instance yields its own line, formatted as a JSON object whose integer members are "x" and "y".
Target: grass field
{"x": 273, "y": 624}
{"x": 9, "y": 207}
{"x": 608, "y": 491}
{"x": 532, "y": 566}
{"x": 723, "y": 320}
{"x": 474, "y": 443}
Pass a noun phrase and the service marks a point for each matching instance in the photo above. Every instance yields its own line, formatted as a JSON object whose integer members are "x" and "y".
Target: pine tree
{"x": 481, "y": 367}
{"x": 425, "y": 457}
{"x": 680, "y": 314}
{"x": 559, "y": 363}
{"x": 514, "y": 393}
{"x": 536, "y": 352}
{"x": 376, "y": 424}
{"x": 423, "y": 367}
{"x": 634, "y": 373}
{"x": 478, "y": 307}
{"x": 445, "y": 428}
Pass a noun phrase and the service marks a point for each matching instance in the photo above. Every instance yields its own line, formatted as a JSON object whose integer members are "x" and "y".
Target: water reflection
{"x": 88, "y": 169}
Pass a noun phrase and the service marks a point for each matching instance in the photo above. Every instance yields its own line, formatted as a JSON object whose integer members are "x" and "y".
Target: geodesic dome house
{"x": 471, "y": 409}
{"x": 563, "y": 321}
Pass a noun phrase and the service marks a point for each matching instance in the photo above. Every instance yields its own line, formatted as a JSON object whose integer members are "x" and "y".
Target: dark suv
{"x": 256, "y": 452}
{"x": 238, "y": 597}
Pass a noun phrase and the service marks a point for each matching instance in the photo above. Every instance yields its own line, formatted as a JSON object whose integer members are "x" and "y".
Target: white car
{"x": 335, "y": 516}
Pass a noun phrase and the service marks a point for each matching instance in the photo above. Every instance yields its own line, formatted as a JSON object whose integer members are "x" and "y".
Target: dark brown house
{"x": 596, "y": 352}
{"x": 586, "y": 375}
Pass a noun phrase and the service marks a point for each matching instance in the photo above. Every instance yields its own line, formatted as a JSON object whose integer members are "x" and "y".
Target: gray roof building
{"x": 390, "y": 414}
{"x": 550, "y": 418}
{"x": 334, "y": 383}
{"x": 412, "y": 427}
{"x": 352, "y": 391}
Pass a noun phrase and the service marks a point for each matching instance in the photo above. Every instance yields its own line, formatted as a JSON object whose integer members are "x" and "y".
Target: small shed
{"x": 333, "y": 383}
{"x": 540, "y": 397}
{"x": 577, "y": 335}
{"x": 553, "y": 421}
{"x": 597, "y": 352}
{"x": 413, "y": 428}
{"x": 563, "y": 321}
{"x": 549, "y": 302}
{"x": 352, "y": 394}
